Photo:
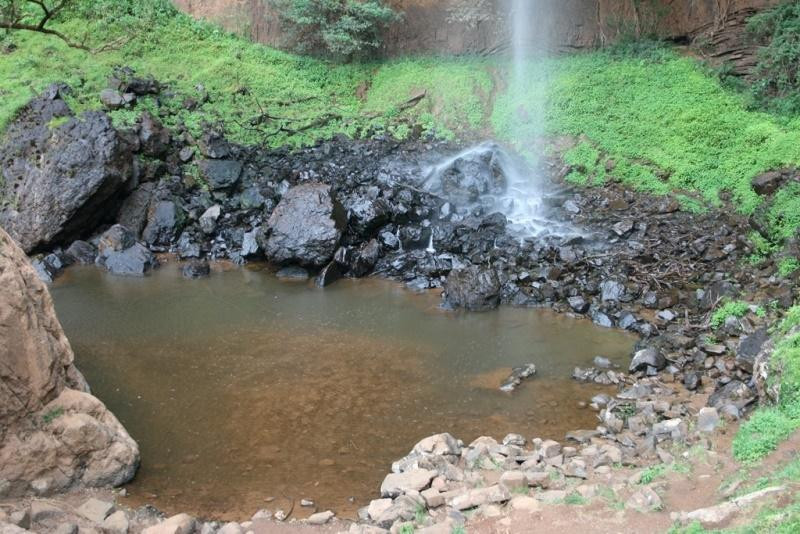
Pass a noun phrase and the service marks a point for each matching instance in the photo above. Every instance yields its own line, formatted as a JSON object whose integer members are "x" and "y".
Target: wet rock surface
{"x": 60, "y": 181}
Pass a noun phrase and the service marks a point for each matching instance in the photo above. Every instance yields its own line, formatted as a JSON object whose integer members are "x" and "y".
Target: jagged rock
{"x": 153, "y": 137}
{"x": 60, "y": 182}
{"x": 116, "y": 523}
{"x": 403, "y": 508}
{"x": 644, "y": 500}
{"x": 136, "y": 260}
{"x": 439, "y": 444}
{"x": 96, "y": 510}
{"x": 768, "y": 182}
{"x": 518, "y": 374}
{"x": 208, "y": 220}
{"x": 220, "y": 173}
{"x": 478, "y": 497}
{"x": 177, "y": 524}
{"x": 578, "y": 304}
{"x": 111, "y": 99}
{"x": 164, "y": 220}
{"x": 305, "y": 227}
{"x": 474, "y": 288}
{"x": 735, "y": 393}
{"x": 133, "y": 213}
{"x": 649, "y": 357}
{"x": 54, "y": 435}
{"x": 398, "y": 483}
{"x": 749, "y": 348}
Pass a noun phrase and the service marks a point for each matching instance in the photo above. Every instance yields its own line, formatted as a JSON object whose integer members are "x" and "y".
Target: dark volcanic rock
{"x": 133, "y": 213}
{"x": 60, "y": 182}
{"x": 163, "y": 224}
{"x": 221, "y": 173}
{"x": 474, "y": 288}
{"x": 769, "y": 182}
{"x": 119, "y": 252}
{"x": 154, "y": 138}
{"x": 133, "y": 261}
{"x": 645, "y": 358}
{"x": 305, "y": 227}
{"x": 734, "y": 394}
{"x": 81, "y": 252}
{"x": 749, "y": 347}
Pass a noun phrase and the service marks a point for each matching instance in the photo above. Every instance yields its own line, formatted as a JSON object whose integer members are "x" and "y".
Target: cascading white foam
{"x": 523, "y": 199}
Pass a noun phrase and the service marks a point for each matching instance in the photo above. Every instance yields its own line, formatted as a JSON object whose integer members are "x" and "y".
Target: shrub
{"x": 735, "y": 308}
{"x": 778, "y": 30}
{"x": 339, "y": 28}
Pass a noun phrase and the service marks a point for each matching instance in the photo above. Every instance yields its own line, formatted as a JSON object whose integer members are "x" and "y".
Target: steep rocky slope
{"x": 469, "y": 26}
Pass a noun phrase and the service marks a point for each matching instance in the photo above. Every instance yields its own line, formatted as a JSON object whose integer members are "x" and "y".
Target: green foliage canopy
{"x": 342, "y": 29}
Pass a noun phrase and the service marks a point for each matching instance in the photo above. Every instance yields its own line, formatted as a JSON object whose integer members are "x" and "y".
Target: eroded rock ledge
{"x": 54, "y": 435}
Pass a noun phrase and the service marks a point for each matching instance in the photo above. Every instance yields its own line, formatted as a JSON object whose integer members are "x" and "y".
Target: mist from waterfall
{"x": 524, "y": 199}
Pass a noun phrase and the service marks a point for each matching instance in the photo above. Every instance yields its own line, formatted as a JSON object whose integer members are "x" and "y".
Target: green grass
{"x": 575, "y": 499}
{"x": 769, "y": 425}
{"x": 652, "y": 473}
{"x": 730, "y": 308}
{"x": 788, "y": 266}
{"x": 457, "y": 92}
{"x": 668, "y": 124}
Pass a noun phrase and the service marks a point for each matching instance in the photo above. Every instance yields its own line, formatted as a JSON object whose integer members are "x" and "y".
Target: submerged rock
{"x": 518, "y": 374}
{"x": 194, "y": 269}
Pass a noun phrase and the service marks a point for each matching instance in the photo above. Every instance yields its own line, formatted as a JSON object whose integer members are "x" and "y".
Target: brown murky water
{"x": 240, "y": 388}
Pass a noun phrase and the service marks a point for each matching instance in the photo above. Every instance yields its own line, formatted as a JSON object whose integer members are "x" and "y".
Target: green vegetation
{"x": 575, "y": 499}
{"x": 778, "y": 72}
{"x": 769, "y": 425}
{"x": 340, "y": 28}
{"x": 652, "y": 473}
{"x": 638, "y": 112}
{"x": 456, "y": 94}
{"x": 406, "y": 529}
{"x": 729, "y": 308}
{"x": 52, "y": 415}
{"x": 788, "y": 266}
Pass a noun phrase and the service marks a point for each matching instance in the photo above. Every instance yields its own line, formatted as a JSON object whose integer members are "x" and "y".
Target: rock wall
{"x": 60, "y": 175}
{"x": 479, "y": 26}
{"x": 54, "y": 435}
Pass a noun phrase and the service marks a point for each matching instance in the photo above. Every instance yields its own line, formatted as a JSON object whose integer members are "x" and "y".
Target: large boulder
{"x": 305, "y": 227}
{"x": 62, "y": 175}
{"x": 474, "y": 288}
{"x": 54, "y": 435}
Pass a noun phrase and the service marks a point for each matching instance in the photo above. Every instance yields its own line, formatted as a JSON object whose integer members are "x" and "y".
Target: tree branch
{"x": 47, "y": 31}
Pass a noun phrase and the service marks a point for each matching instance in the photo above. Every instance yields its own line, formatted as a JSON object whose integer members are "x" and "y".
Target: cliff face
{"x": 54, "y": 435}
{"x": 479, "y": 26}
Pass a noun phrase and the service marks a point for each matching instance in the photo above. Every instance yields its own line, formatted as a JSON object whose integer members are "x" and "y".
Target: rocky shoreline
{"x": 78, "y": 190}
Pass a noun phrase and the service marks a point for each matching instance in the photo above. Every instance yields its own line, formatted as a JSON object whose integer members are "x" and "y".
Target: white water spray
{"x": 523, "y": 197}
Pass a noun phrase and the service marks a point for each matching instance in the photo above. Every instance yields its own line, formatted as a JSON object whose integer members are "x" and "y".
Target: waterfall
{"x": 523, "y": 197}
